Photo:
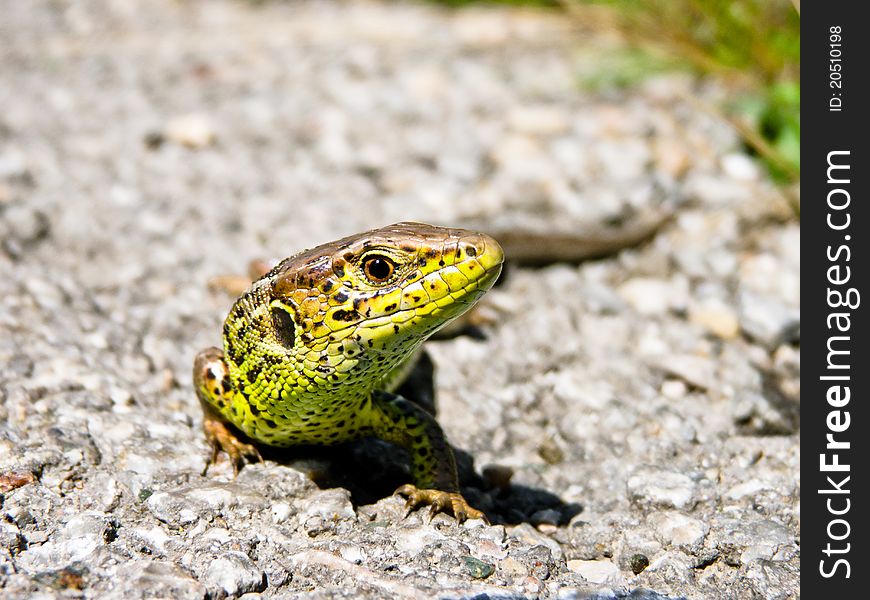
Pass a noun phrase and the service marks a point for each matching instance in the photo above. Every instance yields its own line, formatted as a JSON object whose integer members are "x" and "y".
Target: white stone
{"x": 657, "y": 487}
{"x": 329, "y": 505}
{"x": 281, "y": 511}
{"x": 235, "y": 573}
{"x": 677, "y": 529}
{"x": 697, "y": 371}
{"x": 746, "y": 488}
{"x": 740, "y": 167}
{"x": 595, "y": 571}
{"x": 192, "y": 130}
{"x": 651, "y": 296}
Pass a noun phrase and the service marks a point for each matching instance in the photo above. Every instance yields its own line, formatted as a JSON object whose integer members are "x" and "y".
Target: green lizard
{"x": 314, "y": 349}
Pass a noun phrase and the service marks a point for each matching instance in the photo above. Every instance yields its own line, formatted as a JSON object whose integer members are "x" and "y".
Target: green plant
{"x": 753, "y": 45}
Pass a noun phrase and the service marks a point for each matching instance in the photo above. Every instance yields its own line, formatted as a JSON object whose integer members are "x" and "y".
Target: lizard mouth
{"x": 449, "y": 292}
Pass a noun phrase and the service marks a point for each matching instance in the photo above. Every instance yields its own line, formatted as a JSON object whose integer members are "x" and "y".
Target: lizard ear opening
{"x": 285, "y": 329}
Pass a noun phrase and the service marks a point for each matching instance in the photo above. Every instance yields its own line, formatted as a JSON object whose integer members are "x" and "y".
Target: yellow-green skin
{"x": 313, "y": 350}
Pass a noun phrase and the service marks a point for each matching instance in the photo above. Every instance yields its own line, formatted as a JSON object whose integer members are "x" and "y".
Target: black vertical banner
{"x": 835, "y": 223}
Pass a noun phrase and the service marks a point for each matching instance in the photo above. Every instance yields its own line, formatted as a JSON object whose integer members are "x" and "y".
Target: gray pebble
{"x": 768, "y": 321}
{"x": 234, "y": 574}
{"x": 155, "y": 579}
{"x": 651, "y": 487}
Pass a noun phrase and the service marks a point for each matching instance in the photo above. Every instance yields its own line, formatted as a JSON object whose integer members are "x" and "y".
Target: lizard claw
{"x": 222, "y": 439}
{"x": 439, "y": 501}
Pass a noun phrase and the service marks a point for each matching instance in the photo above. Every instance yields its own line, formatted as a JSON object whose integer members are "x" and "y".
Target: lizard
{"x": 314, "y": 350}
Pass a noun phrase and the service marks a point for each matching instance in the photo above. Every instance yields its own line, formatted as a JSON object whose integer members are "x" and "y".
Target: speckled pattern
{"x": 310, "y": 348}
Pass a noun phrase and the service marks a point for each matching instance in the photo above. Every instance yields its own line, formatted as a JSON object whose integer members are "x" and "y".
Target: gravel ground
{"x": 632, "y": 420}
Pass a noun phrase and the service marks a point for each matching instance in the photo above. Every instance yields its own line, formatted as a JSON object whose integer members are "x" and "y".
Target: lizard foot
{"x": 221, "y": 438}
{"x": 439, "y": 501}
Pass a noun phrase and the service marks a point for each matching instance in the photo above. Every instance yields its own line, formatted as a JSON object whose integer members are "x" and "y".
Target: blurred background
{"x": 265, "y": 111}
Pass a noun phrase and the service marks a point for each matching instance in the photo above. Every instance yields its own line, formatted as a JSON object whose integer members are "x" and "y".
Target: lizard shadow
{"x": 372, "y": 469}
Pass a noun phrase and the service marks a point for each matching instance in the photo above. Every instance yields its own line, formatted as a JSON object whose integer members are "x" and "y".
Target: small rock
{"x": 235, "y": 574}
{"x": 716, "y": 317}
{"x": 352, "y": 553}
{"x": 773, "y": 580}
{"x": 193, "y": 131}
{"x": 49, "y": 296}
{"x": 657, "y": 487}
{"x": 216, "y": 535}
{"x": 281, "y": 511}
{"x": 78, "y": 541}
{"x": 512, "y": 568}
{"x": 550, "y": 451}
{"x": 740, "y": 167}
{"x": 671, "y": 157}
{"x": 67, "y": 578}
{"x": 185, "y": 505}
{"x": 544, "y": 121}
{"x": 517, "y": 151}
{"x": 11, "y": 537}
{"x": 10, "y": 481}
{"x": 638, "y": 563}
{"x": 88, "y": 525}
{"x": 35, "y": 537}
{"x": 478, "y": 569}
{"x": 650, "y": 296}
{"x": 768, "y": 321}
{"x": 674, "y": 566}
{"x": 540, "y": 561}
{"x": 13, "y": 164}
{"x": 676, "y": 529}
{"x": 673, "y": 389}
{"x": 412, "y": 540}
{"x": 22, "y": 227}
{"x": 697, "y": 371}
{"x": 595, "y": 571}
{"x": 156, "y": 579}
{"x": 154, "y": 538}
{"x": 529, "y": 535}
{"x": 490, "y": 549}
{"x": 574, "y": 389}
{"x": 754, "y": 413}
{"x": 166, "y": 507}
{"x": 531, "y": 585}
{"x": 770, "y": 273}
{"x": 741, "y": 541}
{"x": 746, "y": 489}
{"x": 330, "y": 505}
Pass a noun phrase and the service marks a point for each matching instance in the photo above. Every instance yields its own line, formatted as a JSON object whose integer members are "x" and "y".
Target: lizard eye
{"x": 378, "y": 268}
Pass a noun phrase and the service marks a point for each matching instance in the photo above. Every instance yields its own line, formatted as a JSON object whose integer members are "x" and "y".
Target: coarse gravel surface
{"x": 629, "y": 422}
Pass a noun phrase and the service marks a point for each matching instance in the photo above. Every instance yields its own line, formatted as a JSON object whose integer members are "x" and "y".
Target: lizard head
{"x": 375, "y": 297}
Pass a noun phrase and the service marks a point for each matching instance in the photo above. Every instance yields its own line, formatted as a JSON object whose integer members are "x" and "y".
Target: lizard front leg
{"x": 212, "y": 383}
{"x": 433, "y": 467}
